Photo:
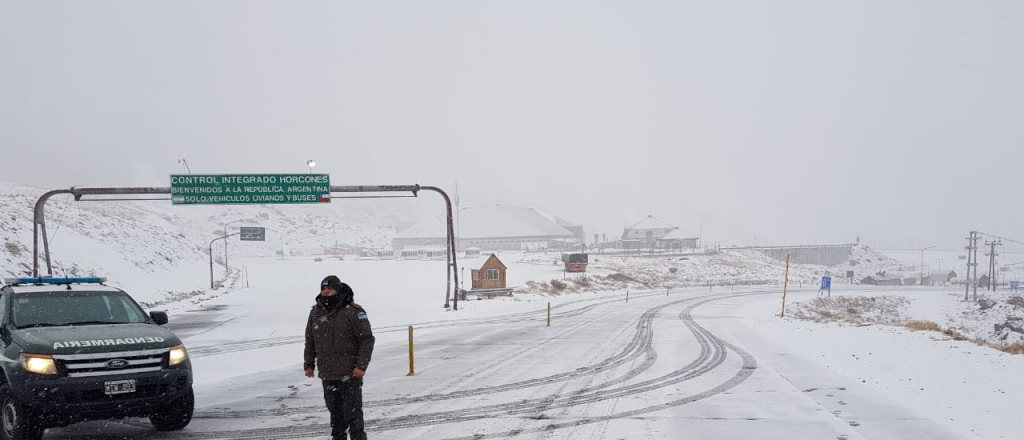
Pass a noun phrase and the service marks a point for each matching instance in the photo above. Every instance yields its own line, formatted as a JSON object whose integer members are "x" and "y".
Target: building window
{"x": 493, "y": 274}
{"x": 476, "y": 275}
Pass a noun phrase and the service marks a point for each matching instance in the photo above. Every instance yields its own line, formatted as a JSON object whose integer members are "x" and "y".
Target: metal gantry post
{"x": 39, "y": 215}
{"x": 39, "y": 218}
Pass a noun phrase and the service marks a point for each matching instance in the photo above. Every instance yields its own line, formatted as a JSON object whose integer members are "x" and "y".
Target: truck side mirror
{"x": 160, "y": 318}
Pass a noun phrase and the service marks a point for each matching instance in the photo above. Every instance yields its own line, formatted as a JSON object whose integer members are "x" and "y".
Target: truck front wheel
{"x": 17, "y": 421}
{"x": 175, "y": 415}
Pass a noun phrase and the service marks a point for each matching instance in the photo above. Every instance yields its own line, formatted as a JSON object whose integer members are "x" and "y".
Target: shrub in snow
{"x": 622, "y": 277}
{"x": 1014, "y": 348}
{"x": 853, "y": 310}
{"x": 1016, "y": 301}
{"x": 923, "y": 325}
{"x": 12, "y": 248}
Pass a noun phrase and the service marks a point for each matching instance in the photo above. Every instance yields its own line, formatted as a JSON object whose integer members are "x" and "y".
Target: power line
{"x": 1002, "y": 238}
{"x": 60, "y": 221}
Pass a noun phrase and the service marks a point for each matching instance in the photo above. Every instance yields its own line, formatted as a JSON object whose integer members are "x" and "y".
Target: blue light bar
{"x": 51, "y": 280}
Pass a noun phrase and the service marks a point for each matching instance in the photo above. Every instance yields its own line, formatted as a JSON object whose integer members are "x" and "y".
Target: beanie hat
{"x": 332, "y": 282}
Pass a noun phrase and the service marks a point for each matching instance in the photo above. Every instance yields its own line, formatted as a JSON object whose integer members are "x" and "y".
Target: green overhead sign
{"x": 220, "y": 189}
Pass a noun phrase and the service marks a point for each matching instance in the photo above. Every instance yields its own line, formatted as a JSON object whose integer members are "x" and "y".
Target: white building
{"x": 646, "y": 234}
{"x": 491, "y": 228}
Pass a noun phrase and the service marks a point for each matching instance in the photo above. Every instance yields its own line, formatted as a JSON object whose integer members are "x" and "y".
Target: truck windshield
{"x": 58, "y": 308}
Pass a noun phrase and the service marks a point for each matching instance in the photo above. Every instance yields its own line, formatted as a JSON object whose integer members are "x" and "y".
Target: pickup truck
{"x": 74, "y": 349}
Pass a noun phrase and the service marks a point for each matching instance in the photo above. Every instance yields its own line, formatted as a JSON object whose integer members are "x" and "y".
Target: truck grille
{"x": 103, "y": 364}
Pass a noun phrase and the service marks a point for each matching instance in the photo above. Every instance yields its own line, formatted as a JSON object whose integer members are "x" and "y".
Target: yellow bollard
{"x": 412, "y": 369}
{"x": 549, "y": 314}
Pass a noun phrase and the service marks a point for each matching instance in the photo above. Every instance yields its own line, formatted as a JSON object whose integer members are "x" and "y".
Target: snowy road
{"x": 658, "y": 366}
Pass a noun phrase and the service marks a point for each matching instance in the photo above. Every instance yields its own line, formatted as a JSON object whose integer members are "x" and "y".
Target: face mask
{"x": 330, "y": 301}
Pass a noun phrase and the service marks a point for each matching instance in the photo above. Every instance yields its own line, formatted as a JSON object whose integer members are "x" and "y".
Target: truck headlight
{"x": 177, "y": 355}
{"x": 38, "y": 363}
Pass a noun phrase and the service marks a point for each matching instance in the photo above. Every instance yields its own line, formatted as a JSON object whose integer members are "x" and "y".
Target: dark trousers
{"x": 345, "y": 402}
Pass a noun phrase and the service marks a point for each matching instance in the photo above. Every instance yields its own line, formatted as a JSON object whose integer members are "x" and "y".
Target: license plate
{"x": 119, "y": 387}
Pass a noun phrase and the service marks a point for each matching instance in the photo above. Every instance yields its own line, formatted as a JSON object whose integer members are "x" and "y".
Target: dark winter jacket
{"x": 338, "y": 339}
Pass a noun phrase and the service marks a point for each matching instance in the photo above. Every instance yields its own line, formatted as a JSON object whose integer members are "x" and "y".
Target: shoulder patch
{"x": 362, "y": 315}
{"x": 357, "y": 306}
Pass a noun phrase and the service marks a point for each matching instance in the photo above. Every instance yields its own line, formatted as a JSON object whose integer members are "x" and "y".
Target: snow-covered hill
{"x": 158, "y": 250}
{"x": 735, "y": 267}
{"x": 130, "y": 241}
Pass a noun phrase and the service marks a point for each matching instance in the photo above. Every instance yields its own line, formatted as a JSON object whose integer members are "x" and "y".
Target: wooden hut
{"x": 491, "y": 275}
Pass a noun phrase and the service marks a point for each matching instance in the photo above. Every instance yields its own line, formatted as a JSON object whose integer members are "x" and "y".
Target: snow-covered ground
{"x": 695, "y": 352}
{"x": 971, "y": 389}
{"x": 605, "y": 369}
{"x": 727, "y": 268}
{"x": 995, "y": 318}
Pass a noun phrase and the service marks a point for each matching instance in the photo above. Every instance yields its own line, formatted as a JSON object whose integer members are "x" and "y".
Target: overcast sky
{"x": 796, "y": 121}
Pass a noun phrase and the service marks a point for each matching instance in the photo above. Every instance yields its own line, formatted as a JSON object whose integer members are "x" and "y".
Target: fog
{"x": 786, "y": 122}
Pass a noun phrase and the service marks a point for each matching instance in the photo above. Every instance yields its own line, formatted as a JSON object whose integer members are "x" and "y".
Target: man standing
{"x": 339, "y": 343}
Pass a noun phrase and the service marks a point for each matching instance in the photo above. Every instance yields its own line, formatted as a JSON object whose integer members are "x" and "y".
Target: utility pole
{"x": 458, "y": 219}
{"x": 972, "y": 261}
{"x": 921, "y": 280}
{"x": 992, "y": 263}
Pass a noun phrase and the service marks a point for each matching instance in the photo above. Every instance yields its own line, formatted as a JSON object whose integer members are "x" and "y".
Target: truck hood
{"x": 103, "y": 338}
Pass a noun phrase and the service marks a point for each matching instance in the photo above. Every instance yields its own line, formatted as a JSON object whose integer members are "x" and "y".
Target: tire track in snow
{"x": 713, "y": 354}
{"x": 232, "y": 347}
{"x": 640, "y": 344}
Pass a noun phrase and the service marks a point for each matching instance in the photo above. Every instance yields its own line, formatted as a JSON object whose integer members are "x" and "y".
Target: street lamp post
{"x": 921, "y": 281}
{"x": 226, "y": 268}
{"x": 311, "y": 163}
{"x": 211, "y": 257}
{"x": 700, "y": 236}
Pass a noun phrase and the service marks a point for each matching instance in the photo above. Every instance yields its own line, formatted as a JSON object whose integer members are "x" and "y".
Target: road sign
{"x": 219, "y": 189}
{"x": 1013, "y": 286}
{"x": 826, "y": 283}
{"x": 251, "y": 233}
